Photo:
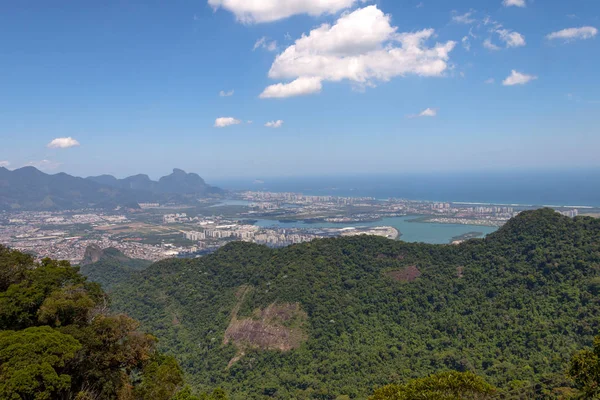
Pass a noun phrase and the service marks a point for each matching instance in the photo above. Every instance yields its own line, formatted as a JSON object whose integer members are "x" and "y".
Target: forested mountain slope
{"x": 342, "y": 316}
{"x": 109, "y": 266}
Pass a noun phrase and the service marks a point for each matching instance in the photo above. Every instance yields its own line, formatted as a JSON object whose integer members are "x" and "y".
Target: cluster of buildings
{"x": 211, "y": 235}
{"x": 66, "y": 235}
{"x": 175, "y": 218}
{"x": 298, "y": 198}
{"x": 570, "y": 213}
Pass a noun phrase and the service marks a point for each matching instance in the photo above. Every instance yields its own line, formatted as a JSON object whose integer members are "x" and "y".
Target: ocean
{"x": 559, "y": 188}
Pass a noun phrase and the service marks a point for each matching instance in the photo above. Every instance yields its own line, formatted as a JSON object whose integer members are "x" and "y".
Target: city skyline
{"x": 300, "y": 88}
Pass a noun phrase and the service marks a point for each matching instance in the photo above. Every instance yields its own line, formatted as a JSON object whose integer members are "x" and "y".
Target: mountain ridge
{"x": 28, "y": 188}
{"x": 512, "y": 307}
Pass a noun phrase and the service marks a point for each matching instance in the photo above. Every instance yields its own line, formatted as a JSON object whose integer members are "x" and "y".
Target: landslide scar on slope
{"x": 407, "y": 274}
{"x": 277, "y": 327}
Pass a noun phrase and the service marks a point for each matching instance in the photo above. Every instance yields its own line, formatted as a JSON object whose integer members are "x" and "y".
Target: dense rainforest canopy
{"x": 58, "y": 340}
{"x": 338, "y": 318}
{"x": 504, "y": 317}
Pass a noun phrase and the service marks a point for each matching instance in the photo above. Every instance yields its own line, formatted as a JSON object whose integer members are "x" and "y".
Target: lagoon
{"x": 410, "y": 231}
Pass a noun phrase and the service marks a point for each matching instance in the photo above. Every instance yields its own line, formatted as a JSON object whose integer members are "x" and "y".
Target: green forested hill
{"x": 109, "y": 266}
{"x": 342, "y": 316}
{"x": 58, "y": 340}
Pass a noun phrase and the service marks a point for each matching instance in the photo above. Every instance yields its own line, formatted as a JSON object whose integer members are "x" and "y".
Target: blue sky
{"x": 385, "y": 86}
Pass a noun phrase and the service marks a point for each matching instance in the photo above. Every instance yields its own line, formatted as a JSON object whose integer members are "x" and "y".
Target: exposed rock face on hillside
{"x": 277, "y": 327}
{"x": 407, "y": 274}
{"x": 93, "y": 254}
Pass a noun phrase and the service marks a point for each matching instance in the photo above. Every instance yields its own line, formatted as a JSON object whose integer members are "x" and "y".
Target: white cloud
{"x": 44, "y": 165}
{"x": 223, "y": 93}
{"x": 466, "y": 43}
{"x": 465, "y": 18}
{"x": 427, "y": 113}
{"x": 226, "y": 121}
{"x": 257, "y": 11}
{"x": 490, "y": 81}
{"x": 298, "y": 87}
{"x": 4, "y": 164}
{"x": 487, "y": 43}
{"x": 63, "y": 143}
{"x": 516, "y": 3}
{"x": 265, "y": 43}
{"x": 361, "y": 47}
{"x": 585, "y": 32}
{"x": 512, "y": 39}
{"x": 274, "y": 124}
{"x": 517, "y": 78}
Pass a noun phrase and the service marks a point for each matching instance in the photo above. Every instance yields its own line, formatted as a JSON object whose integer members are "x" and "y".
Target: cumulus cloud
{"x": 518, "y": 78}
{"x": 257, "y": 11}
{"x": 585, "y": 32}
{"x": 274, "y": 124}
{"x": 4, "y": 164}
{"x": 361, "y": 47}
{"x": 223, "y": 93}
{"x": 515, "y": 3}
{"x": 512, "y": 39}
{"x": 466, "y": 18}
{"x": 298, "y": 87}
{"x": 63, "y": 143}
{"x": 265, "y": 43}
{"x": 226, "y": 121}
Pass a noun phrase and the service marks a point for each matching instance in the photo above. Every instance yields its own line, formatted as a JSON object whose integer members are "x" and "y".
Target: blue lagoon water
{"x": 410, "y": 231}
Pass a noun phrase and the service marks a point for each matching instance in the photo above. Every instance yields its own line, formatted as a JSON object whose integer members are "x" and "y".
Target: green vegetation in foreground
{"x": 512, "y": 308}
{"x": 449, "y": 385}
{"x": 57, "y": 340}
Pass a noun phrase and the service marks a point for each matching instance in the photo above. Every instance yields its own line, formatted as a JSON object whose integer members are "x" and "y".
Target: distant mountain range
{"x": 30, "y": 189}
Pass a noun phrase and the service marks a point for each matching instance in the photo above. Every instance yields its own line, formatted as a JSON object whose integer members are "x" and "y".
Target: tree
{"x": 33, "y": 363}
{"x": 112, "y": 350}
{"x": 185, "y": 394}
{"x": 162, "y": 379}
{"x": 584, "y": 369}
{"x": 83, "y": 352}
{"x": 443, "y": 386}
